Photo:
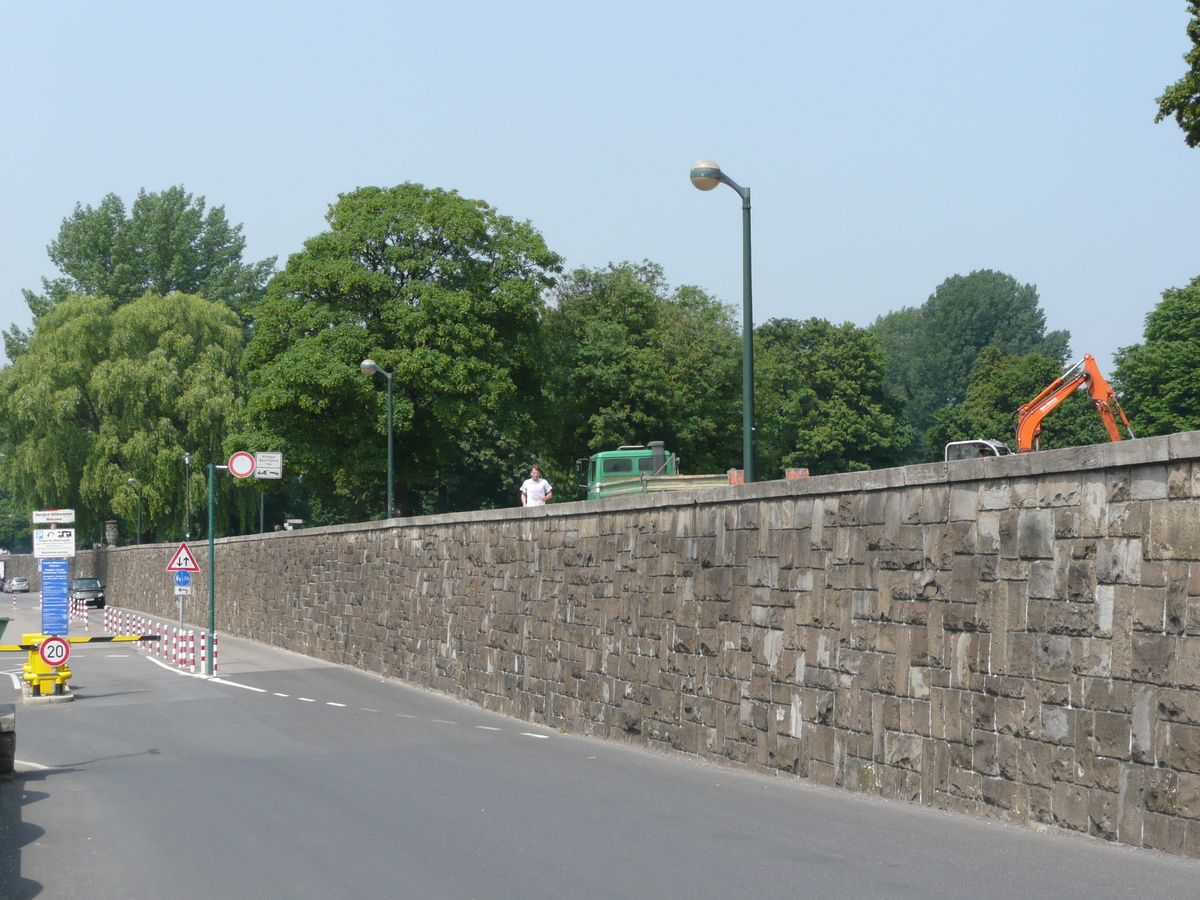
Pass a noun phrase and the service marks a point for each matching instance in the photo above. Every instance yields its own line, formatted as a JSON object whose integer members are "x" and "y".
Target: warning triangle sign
{"x": 183, "y": 560}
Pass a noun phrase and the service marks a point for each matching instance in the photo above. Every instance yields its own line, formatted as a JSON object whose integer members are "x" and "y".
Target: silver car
{"x": 18, "y": 585}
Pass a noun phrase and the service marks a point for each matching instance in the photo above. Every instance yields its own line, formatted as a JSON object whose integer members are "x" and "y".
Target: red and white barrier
{"x": 174, "y": 645}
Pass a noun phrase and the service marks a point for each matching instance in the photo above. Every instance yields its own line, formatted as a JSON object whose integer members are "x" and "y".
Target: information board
{"x": 54, "y": 596}
{"x": 53, "y": 543}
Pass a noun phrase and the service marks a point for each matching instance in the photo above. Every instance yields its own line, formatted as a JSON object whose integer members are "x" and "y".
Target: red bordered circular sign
{"x": 241, "y": 464}
{"x": 55, "y": 651}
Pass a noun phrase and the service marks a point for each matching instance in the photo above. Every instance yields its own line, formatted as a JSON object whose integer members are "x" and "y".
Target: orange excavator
{"x": 1083, "y": 373}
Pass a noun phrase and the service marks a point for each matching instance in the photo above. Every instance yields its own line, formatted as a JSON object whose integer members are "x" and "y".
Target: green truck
{"x": 638, "y": 469}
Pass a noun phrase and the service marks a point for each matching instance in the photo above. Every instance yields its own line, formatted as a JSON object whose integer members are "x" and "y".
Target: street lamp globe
{"x": 706, "y": 174}
{"x": 368, "y": 366}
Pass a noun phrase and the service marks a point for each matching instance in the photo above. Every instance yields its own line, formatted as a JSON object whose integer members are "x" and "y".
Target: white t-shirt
{"x": 535, "y": 491}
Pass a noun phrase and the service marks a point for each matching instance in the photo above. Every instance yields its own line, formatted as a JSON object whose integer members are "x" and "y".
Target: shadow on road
{"x": 15, "y": 833}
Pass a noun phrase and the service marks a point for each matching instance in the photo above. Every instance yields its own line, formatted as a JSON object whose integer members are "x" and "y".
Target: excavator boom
{"x": 1083, "y": 373}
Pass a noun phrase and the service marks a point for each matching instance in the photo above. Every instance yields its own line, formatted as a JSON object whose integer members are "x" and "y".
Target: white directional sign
{"x": 183, "y": 560}
{"x": 268, "y": 465}
{"x": 183, "y": 590}
{"x": 53, "y": 516}
{"x": 54, "y": 543}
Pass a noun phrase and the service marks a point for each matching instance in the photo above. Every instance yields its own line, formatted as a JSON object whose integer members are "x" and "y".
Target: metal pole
{"x": 212, "y": 603}
{"x": 747, "y": 345}
{"x": 391, "y": 507}
{"x": 139, "y": 537}
{"x": 187, "y": 496}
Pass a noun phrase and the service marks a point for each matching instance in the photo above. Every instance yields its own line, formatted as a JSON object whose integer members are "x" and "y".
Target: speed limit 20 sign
{"x": 54, "y": 651}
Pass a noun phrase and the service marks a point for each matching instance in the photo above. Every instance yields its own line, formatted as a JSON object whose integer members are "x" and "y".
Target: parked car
{"x": 90, "y": 590}
{"x": 18, "y": 585}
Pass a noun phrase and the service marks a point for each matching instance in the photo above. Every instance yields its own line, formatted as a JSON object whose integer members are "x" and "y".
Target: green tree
{"x": 630, "y": 361}
{"x": 168, "y": 243}
{"x": 441, "y": 291}
{"x": 1182, "y": 99}
{"x": 822, "y": 401}
{"x": 1159, "y": 380}
{"x": 105, "y": 393}
{"x": 1000, "y": 385}
{"x": 931, "y": 350}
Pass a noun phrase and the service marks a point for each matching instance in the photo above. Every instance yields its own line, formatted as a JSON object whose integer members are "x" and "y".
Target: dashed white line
{"x": 307, "y": 699}
{"x": 277, "y": 694}
{"x": 444, "y": 722}
{"x": 331, "y": 703}
{"x": 405, "y": 716}
{"x": 368, "y": 709}
{"x": 540, "y": 737}
{"x": 489, "y": 727}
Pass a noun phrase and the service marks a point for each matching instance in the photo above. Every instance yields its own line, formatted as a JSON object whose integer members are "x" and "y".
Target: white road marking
{"x": 22, "y": 764}
{"x": 444, "y": 722}
{"x": 307, "y": 699}
{"x": 331, "y": 703}
{"x": 277, "y": 694}
{"x": 235, "y": 684}
{"x": 489, "y": 727}
{"x": 118, "y": 656}
{"x": 16, "y": 682}
{"x": 368, "y": 709}
{"x": 540, "y": 737}
{"x": 405, "y": 716}
{"x": 170, "y": 668}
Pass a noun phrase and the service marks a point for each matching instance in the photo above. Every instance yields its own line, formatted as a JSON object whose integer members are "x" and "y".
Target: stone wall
{"x": 1015, "y": 637}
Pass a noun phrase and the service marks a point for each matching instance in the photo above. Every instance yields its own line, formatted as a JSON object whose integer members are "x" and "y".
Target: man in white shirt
{"x": 536, "y": 490}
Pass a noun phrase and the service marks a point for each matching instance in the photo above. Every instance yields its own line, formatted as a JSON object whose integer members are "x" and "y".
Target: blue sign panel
{"x": 54, "y": 596}
{"x": 182, "y": 578}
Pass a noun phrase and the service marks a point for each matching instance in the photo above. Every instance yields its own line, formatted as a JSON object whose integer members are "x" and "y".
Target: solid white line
{"x": 331, "y": 703}
{"x": 170, "y": 668}
{"x": 29, "y": 765}
{"x": 540, "y": 737}
{"x": 235, "y": 684}
{"x": 489, "y": 727}
{"x": 16, "y": 682}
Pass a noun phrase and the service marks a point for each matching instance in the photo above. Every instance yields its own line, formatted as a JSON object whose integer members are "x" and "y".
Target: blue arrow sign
{"x": 183, "y": 579}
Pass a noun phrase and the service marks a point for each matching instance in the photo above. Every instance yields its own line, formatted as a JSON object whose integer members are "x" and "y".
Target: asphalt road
{"x": 288, "y": 778}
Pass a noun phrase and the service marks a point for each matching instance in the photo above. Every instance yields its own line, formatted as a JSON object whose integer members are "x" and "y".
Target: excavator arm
{"x": 1083, "y": 373}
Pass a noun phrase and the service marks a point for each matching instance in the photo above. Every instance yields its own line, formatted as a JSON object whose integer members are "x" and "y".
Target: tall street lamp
{"x": 187, "y": 496}
{"x": 369, "y": 367}
{"x": 137, "y": 485}
{"x": 706, "y": 175}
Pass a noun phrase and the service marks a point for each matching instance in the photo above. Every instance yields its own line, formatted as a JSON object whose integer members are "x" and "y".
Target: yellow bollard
{"x": 43, "y": 680}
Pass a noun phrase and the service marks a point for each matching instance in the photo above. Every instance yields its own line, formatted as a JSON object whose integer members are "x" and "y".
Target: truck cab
{"x": 628, "y": 461}
{"x": 975, "y": 449}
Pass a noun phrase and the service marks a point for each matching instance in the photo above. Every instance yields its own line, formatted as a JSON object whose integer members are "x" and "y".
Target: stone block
{"x": 1035, "y": 534}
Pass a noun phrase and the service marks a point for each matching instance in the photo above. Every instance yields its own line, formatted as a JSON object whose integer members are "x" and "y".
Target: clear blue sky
{"x": 888, "y": 146}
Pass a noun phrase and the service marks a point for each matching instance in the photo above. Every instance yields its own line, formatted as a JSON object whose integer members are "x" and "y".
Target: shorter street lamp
{"x": 137, "y": 485}
{"x": 369, "y": 367}
{"x": 706, "y": 175}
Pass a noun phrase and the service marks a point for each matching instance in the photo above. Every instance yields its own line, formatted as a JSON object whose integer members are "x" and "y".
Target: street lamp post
{"x": 369, "y": 367}
{"x": 137, "y": 485}
{"x": 706, "y": 175}
{"x": 187, "y": 496}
